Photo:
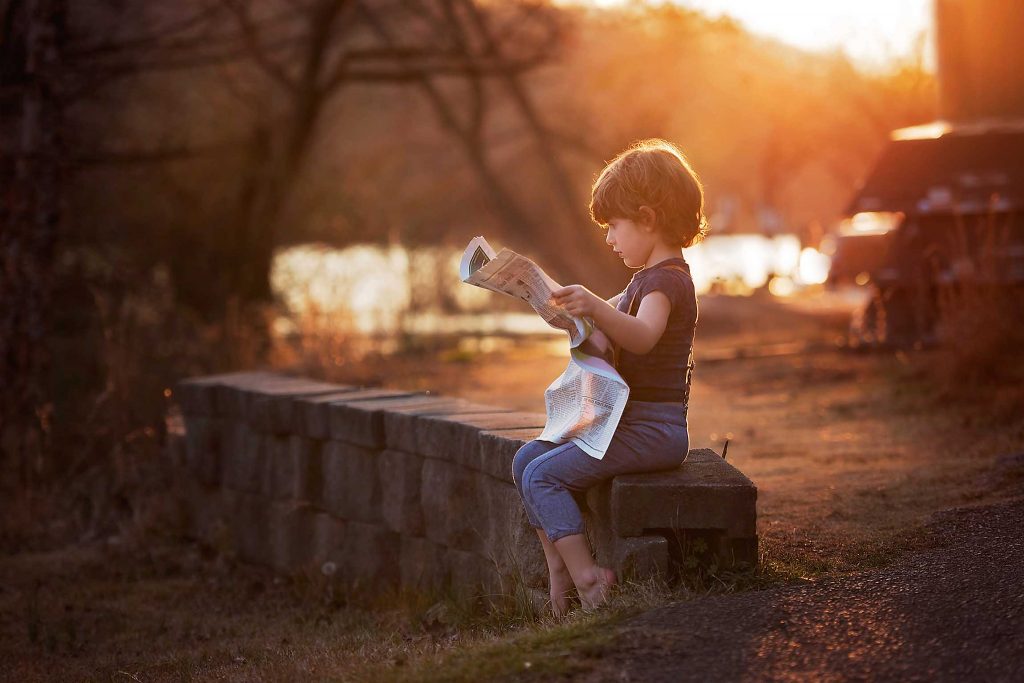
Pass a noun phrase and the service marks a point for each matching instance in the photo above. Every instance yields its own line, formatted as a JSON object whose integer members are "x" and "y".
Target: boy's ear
{"x": 647, "y": 216}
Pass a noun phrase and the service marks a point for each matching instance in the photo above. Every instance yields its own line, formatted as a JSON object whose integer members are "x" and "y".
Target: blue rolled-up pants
{"x": 650, "y": 437}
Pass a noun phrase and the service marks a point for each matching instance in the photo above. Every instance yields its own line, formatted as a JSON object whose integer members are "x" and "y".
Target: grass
{"x": 162, "y": 609}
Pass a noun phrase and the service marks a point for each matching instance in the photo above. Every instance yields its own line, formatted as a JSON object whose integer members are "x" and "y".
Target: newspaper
{"x": 585, "y": 403}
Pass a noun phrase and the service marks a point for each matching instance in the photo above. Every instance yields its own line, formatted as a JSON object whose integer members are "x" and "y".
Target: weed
{"x": 979, "y": 309}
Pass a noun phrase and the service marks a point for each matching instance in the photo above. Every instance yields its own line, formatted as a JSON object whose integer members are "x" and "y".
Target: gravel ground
{"x": 953, "y": 612}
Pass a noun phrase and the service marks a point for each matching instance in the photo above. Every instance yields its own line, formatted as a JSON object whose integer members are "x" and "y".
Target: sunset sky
{"x": 870, "y": 31}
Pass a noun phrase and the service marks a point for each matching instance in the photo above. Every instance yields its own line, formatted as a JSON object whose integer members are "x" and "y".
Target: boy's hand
{"x": 577, "y": 299}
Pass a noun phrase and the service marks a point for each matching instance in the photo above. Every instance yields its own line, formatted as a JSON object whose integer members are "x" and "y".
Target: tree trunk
{"x": 30, "y": 178}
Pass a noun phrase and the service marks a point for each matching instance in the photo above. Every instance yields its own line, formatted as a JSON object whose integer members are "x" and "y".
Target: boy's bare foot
{"x": 561, "y": 586}
{"x": 596, "y": 591}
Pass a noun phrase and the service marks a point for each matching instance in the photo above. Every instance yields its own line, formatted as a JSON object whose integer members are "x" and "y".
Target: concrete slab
{"x": 456, "y": 437}
{"x": 402, "y": 429}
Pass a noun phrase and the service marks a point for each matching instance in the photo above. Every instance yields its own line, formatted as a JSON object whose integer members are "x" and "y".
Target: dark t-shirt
{"x": 661, "y": 373}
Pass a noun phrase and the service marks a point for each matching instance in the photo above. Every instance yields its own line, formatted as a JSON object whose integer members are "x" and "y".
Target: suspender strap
{"x": 634, "y": 306}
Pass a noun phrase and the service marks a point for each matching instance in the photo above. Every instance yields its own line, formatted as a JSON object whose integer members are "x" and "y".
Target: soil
{"x": 954, "y": 612}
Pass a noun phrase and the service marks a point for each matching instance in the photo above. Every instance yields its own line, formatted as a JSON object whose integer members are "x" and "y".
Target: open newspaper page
{"x": 515, "y": 275}
{"x": 585, "y": 403}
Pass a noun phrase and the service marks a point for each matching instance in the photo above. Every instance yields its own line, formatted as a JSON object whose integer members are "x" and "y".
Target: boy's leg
{"x": 526, "y": 454}
{"x": 547, "y": 482}
{"x": 560, "y": 579}
{"x": 592, "y": 581}
{"x": 653, "y": 438}
{"x": 550, "y": 479}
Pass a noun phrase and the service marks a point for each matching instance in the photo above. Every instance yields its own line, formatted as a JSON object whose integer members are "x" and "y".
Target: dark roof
{"x": 932, "y": 175}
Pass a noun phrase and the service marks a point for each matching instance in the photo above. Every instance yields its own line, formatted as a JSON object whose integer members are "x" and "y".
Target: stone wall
{"x": 400, "y": 488}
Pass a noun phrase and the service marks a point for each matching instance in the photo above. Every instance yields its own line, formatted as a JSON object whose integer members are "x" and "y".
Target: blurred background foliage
{"x": 155, "y": 156}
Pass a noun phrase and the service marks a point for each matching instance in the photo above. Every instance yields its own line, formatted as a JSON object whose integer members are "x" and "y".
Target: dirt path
{"x": 949, "y": 613}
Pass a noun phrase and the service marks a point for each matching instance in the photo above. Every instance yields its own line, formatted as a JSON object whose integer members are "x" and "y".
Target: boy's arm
{"x": 597, "y": 344}
{"x": 637, "y": 334}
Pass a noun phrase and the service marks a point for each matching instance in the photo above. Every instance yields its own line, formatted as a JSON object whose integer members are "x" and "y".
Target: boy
{"x": 651, "y": 203}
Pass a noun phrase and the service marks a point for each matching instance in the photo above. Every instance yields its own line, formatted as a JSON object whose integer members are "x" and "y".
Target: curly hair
{"x": 653, "y": 173}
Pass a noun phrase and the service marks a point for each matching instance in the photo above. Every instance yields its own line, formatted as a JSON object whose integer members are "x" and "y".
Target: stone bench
{"x": 404, "y": 489}
{"x": 643, "y": 523}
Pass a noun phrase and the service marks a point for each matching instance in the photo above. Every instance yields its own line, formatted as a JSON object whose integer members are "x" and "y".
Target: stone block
{"x": 422, "y": 563}
{"x": 271, "y": 408}
{"x": 198, "y": 395}
{"x": 307, "y": 454}
{"x": 472, "y": 576}
{"x": 369, "y": 556}
{"x": 351, "y": 484}
{"x": 232, "y": 435}
{"x": 205, "y": 512}
{"x": 456, "y": 437}
{"x": 362, "y": 421}
{"x": 402, "y": 430}
{"x": 245, "y": 461}
{"x": 275, "y": 463}
{"x": 293, "y": 468}
{"x": 313, "y": 414}
{"x": 511, "y": 543}
{"x": 231, "y": 396}
{"x": 327, "y": 538}
{"x": 282, "y": 413}
{"x": 290, "y": 535}
{"x": 704, "y": 492}
{"x": 451, "y": 505}
{"x": 250, "y": 525}
{"x": 400, "y": 476}
{"x": 639, "y": 557}
{"x": 498, "y": 447}
{"x": 225, "y": 535}
{"x": 203, "y": 448}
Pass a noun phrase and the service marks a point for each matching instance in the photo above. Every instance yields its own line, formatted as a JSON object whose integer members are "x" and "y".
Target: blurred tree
{"x": 287, "y": 61}
{"x": 297, "y": 57}
{"x": 31, "y": 180}
{"x": 205, "y": 133}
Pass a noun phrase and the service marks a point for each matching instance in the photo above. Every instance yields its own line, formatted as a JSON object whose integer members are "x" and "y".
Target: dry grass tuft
{"x": 980, "y": 326}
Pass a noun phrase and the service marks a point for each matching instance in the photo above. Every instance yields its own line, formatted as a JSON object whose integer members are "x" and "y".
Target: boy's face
{"x": 632, "y": 241}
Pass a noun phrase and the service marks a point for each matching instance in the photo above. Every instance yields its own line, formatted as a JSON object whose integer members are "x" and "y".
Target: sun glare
{"x": 872, "y": 32}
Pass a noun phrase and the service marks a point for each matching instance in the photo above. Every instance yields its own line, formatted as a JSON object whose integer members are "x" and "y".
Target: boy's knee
{"x": 536, "y": 475}
{"x": 521, "y": 459}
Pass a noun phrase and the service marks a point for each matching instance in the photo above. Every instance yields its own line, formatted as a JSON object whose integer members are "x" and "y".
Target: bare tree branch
{"x": 154, "y": 156}
{"x": 86, "y": 50}
{"x": 256, "y": 50}
{"x": 476, "y": 114}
